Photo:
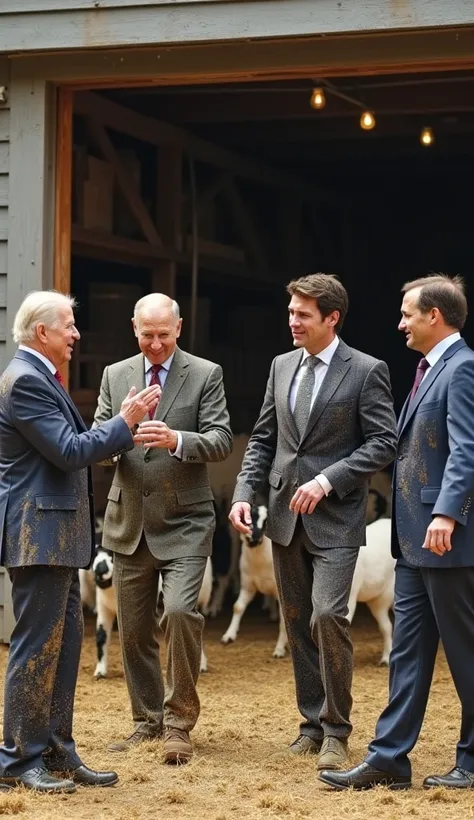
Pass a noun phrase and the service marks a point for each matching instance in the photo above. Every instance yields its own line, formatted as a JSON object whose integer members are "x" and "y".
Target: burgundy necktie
{"x": 423, "y": 366}
{"x": 155, "y": 379}
{"x": 59, "y": 378}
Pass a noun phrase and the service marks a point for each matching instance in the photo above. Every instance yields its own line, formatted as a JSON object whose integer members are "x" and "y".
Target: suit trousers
{"x": 136, "y": 578}
{"x": 314, "y": 586}
{"x": 429, "y": 604}
{"x": 42, "y": 670}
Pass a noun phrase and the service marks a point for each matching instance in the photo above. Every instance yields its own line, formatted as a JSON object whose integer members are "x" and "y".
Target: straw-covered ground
{"x": 248, "y": 713}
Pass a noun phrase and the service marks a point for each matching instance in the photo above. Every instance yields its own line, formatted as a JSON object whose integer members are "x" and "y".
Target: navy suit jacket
{"x": 434, "y": 471}
{"x": 46, "y": 505}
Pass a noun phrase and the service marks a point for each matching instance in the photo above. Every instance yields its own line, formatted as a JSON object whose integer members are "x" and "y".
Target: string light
{"x": 427, "y": 136}
{"x": 318, "y": 100}
{"x": 367, "y": 121}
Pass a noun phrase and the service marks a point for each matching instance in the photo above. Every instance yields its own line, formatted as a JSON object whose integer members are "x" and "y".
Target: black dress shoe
{"x": 363, "y": 777}
{"x": 40, "y": 780}
{"x": 84, "y": 776}
{"x": 457, "y": 778}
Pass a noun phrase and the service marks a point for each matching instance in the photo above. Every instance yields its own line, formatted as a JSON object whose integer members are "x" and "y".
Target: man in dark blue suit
{"x": 433, "y": 540}
{"x": 46, "y": 534}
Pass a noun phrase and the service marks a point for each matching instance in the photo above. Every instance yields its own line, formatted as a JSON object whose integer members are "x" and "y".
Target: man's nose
{"x": 76, "y": 334}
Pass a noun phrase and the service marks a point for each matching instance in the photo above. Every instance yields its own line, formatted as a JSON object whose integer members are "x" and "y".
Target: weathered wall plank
{"x": 175, "y": 22}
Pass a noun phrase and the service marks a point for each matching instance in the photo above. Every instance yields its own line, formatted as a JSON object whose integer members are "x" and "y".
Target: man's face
{"x": 308, "y": 328}
{"x": 157, "y": 332}
{"x": 57, "y": 342}
{"x": 419, "y": 328}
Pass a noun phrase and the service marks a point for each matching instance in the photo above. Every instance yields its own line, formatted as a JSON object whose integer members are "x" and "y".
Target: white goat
{"x": 256, "y": 575}
{"x": 374, "y": 581}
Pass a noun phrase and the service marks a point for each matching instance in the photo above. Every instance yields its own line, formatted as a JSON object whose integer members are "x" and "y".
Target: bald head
{"x": 157, "y": 326}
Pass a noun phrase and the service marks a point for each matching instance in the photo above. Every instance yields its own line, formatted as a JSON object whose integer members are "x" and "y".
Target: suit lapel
{"x": 338, "y": 367}
{"x": 285, "y": 381}
{"x": 32, "y": 359}
{"x": 136, "y": 373}
{"x": 177, "y": 376}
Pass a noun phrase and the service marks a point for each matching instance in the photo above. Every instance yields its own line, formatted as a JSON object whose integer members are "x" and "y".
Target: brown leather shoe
{"x": 334, "y": 753}
{"x": 141, "y": 733}
{"x": 177, "y": 746}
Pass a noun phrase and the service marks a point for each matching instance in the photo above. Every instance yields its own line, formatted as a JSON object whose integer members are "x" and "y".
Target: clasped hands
{"x": 151, "y": 434}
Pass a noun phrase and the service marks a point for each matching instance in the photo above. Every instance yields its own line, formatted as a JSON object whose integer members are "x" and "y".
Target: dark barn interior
{"x": 228, "y": 191}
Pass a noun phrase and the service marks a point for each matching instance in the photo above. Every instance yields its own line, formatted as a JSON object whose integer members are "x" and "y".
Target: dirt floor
{"x": 248, "y": 714}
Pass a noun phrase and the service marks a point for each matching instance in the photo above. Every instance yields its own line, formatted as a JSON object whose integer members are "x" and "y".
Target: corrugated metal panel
{"x": 3, "y": 189}
{"x": 3, "y": 223}
{"x": 4, "y": 124}
{"x": 3, "y": 323}
{"x": 3, "y": 287}
{"x": 24, "y": 6}
{"x": 3, "y": 258}
{"x": 4, "y": 157}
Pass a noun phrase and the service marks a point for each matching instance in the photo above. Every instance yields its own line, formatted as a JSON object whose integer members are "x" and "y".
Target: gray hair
{"x": 39, "y": 307}
{"x": 159, "y": 300}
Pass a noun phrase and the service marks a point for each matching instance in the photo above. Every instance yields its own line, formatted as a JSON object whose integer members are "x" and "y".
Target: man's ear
{"x": 134, "y": 325}
{"x": 178, "y": 331}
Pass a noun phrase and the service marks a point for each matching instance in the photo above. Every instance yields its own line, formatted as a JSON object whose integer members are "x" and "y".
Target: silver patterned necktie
{"x": 304, "y": 395}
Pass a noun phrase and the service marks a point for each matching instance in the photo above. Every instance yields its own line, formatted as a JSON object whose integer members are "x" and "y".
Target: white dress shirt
{"x": 320, "y": 371}
{"x": 51, "y": 367}
{"x": 163, "y": 375}
{"x": 437, "y": 351}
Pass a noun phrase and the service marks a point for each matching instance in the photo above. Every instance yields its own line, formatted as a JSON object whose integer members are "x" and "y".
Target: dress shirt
{"x": 163, "y": 375}
{"x": 51, "y": 367}
{"x": 325, "y": 357}
{"x": 437, "y": 351}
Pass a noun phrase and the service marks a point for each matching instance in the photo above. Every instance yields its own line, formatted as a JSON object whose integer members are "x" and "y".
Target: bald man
{"x": 160, "y": 521}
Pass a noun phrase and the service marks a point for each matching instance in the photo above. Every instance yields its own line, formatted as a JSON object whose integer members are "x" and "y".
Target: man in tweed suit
{"x": 326, "y": 425}
{"x": 160, "y": 520}
{"x": 433, "y": 540}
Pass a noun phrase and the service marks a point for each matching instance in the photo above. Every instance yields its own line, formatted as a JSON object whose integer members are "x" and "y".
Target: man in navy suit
{"x": 433, "y": 540}
{"x": 46, "y": 534}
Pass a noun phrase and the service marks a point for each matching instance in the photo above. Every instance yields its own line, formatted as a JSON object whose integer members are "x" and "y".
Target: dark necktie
{"x": 421, "y": 369}
{"x": 155, "y": 379}
{"x": 304, "y": 395}
{"x": 59, "y": 378}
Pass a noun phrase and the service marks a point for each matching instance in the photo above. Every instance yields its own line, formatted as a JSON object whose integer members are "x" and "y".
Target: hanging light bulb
{"x": 318, "y": 100}
{"x": 427, "y": 136}
{"x": 367, "y": 121}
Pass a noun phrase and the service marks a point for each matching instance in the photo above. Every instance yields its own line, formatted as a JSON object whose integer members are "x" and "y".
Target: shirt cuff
{"x": 178, "y": 453}
{"x": 325, "y": 484}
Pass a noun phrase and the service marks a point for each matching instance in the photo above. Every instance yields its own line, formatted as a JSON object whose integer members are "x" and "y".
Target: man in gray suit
{"x": 160, "y": 521}
{"x": 46, "y": 533}
{"x": 326, "y": 425}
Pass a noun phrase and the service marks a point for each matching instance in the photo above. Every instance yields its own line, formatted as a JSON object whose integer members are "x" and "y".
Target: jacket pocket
{"x": 274, "y": 479}
{"x": 56, "y": 502}
{"x": 194, "y": 495}
{"x": 424, "y": 406}
{"x": 429, "y": 495}
{"x": 114, "y": 493}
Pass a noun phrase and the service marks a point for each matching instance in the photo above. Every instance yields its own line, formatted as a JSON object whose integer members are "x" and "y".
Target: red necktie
{"x": 421, "y": 369}
{"x": 155, "y": 379}
{"x": 59, "y": 378}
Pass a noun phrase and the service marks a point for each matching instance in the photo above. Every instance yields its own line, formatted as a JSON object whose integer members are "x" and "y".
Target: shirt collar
{"x": 437, "y": 351}
{"x": 325, "y": 355}
{"x": 51, "y": 367}
{"x": 166, "y": 365}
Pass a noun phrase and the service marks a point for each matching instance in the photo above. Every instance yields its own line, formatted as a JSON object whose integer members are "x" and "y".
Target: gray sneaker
{"x": 304, "y": 745}
{"x": 334, "y": 753}
{"x": 141, "y": 733}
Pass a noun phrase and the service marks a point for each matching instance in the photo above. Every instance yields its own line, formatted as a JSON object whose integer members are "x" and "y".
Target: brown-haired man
{"x": 326, "y": 425}
{"x": 433, "y": 540}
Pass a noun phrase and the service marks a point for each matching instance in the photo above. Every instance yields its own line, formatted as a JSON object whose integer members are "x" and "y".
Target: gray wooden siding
{"x": 4, "y": 166}
{"x": 33, "y": 25}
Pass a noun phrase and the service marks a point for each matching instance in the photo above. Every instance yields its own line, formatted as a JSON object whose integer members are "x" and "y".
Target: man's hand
{"x": 155, "y": 434}
{"x": 240, "y": 517}
{"x": 136, "y": 405}
{"x": 307, "y": 497}
{"x": 438, "y": 535}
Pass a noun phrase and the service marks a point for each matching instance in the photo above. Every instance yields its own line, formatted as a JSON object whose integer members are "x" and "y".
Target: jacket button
{"x": 146, "y": 492}
{"x": 147, "y": 458}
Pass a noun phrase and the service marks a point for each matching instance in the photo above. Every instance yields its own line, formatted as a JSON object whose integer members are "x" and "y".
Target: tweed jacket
{"x": 46, "y": 504}
{"x": 434, "y": 470}
{"x": 351, "y": 434}
{"x": 168, "y": 499}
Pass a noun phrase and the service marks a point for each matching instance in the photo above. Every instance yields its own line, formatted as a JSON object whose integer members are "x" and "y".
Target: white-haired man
{"x": 46, "y": 534}
{"x": 160, "y": 520}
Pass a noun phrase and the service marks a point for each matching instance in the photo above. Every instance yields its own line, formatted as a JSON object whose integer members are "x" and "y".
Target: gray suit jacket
{"x": 351, "y": 433}
{"x": 168, "y": 499}
{"x": 46, "y": 512}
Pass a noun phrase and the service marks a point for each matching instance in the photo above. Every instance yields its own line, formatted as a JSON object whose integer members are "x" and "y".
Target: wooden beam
{"x": 126, "y": 121}
{"x": 245, "y": 226}
{"x": 207, "y": 195}
{"x": 63, "y": 192}
{"x": 125, "y": 181}
{"x": 169, "y": 184}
